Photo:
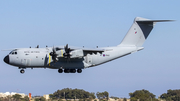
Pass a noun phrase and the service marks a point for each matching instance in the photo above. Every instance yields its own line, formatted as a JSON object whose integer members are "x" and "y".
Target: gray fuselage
{"x": 40, "y": 58}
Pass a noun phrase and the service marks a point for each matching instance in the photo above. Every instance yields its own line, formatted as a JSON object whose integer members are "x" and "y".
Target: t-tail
{"x": 139, "y": 32}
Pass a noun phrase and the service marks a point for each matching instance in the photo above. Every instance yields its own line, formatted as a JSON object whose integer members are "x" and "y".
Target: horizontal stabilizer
{"x": 139, "y": 19}
{"x": 153, "y": 20}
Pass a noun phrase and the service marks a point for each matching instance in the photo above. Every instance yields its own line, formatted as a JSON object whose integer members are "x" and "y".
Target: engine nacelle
{"x": 77, "y": 53}
{"x": 60, "y": 53}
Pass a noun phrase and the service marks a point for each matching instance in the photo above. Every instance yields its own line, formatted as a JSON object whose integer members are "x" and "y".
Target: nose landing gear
{"x": 22, "y": 71}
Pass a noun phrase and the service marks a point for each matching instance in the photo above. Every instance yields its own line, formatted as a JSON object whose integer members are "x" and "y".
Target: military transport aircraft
{"x": 72, "y": 59}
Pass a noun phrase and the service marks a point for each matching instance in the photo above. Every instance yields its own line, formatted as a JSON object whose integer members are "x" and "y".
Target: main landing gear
{"x": 69, "y": 70}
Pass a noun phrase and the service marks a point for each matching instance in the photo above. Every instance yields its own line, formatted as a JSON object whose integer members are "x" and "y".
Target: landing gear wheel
{"x": 66, "y": 70}
{"x": 22, "y": 71}
{"x": 79, "y": 70}
{"x": 60, "y": 70}
{"x": 72, "y": 70}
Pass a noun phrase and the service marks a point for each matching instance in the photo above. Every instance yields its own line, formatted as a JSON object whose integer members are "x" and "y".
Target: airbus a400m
{"x": 71, "y": 60}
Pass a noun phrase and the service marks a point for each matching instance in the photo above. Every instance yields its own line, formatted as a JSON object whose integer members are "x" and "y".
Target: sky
{"x": 91, "y": 23}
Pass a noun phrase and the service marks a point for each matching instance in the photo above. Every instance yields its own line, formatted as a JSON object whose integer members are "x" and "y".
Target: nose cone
{"x": 6, "y": 59}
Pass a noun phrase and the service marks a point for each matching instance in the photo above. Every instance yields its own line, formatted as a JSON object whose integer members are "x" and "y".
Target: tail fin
{"x": 139, "y": 32}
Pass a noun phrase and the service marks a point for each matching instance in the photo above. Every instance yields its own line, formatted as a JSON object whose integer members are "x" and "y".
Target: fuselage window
{"x": 12, "y": 52}
{"x": 15, "y": 52}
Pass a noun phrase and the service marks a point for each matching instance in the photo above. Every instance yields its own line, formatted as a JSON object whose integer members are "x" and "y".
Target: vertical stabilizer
{"x": 139, "y": 32}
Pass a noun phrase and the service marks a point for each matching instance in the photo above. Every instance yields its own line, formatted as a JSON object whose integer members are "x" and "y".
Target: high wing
{"x": 93, "y": 51}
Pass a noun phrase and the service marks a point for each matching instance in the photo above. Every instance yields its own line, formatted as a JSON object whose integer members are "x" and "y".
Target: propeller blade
{"x": 53, "y": 54}
{"x": 66, "y": 48}
{"x": 54, "y": 51}
{"x": 67, "y": 51}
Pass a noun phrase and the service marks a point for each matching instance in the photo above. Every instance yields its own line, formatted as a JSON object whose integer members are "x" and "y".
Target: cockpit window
{"x": 13, "y": 52}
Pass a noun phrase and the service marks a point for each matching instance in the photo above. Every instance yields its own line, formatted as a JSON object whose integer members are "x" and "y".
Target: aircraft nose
{"x": 6, "y": 59}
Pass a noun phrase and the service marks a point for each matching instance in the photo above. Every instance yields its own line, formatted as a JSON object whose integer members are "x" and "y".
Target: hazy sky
{"x": 92, "y": 23}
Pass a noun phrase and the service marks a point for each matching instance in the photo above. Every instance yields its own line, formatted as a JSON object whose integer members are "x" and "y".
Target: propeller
{"x": 67, "y": 52}
{"x": 53, "y": 54}
{"x": 65, "y": 55}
